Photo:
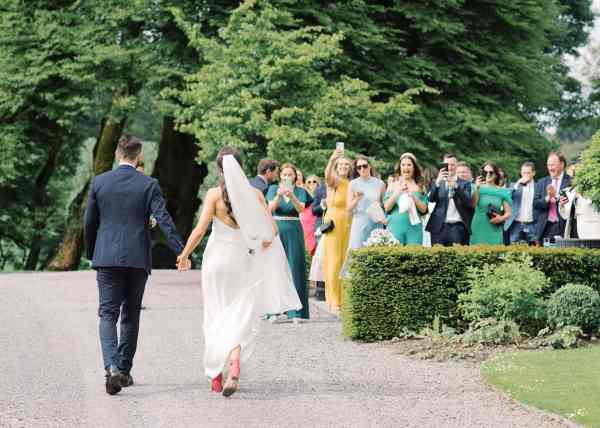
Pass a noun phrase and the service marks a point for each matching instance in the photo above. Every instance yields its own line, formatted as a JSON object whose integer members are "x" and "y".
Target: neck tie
{"x": 553, "y": 210}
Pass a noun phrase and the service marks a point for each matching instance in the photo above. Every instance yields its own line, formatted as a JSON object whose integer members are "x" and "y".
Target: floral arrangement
{"x": 381, "y": 237}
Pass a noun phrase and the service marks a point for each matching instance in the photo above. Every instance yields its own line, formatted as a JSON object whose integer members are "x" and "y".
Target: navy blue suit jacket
{"x": 517, "y": 197}
{"x": 541, "y": 206}
{"x": 317, "y": 210}
{"x": 462, "y": 201}
{"x": 260, "y": 184}
{"x": 116, "y": 227}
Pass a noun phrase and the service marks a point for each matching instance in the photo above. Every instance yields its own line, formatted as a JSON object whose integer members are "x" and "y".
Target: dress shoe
{"x": 126, "y": 380}
{"x": 113, "y": 380}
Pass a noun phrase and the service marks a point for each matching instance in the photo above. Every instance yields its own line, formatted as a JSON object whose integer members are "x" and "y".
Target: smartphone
{"x": 563, "y": 193}
{"x": 287, "y": 183}
{"x": 443, "y": 165}
{"x": 339, "y": 146}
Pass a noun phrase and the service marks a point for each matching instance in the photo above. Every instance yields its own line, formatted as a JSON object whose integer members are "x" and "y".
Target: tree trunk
{"x": 39, "y": 199}
{"x": 71, "y": 248}
{"x": 180, "y": 177}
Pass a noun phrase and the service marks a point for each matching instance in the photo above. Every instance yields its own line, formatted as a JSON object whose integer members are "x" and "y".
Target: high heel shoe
{"x": 232, "y": 383}
{"x": 217, "y": 383}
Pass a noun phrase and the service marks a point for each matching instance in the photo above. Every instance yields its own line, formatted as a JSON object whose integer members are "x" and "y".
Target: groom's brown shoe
{"x": 126, "y": 380}
{"x": 114, "y": 379}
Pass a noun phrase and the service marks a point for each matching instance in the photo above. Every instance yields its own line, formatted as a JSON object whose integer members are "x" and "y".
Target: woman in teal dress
{"x": 286, "y": 202}
{"x": 487, "y": 196}
{"x": 406, "y": 201}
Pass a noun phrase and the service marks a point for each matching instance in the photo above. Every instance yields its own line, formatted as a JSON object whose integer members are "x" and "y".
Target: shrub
{"x": 576, "y": 305}
{"x": 587, "y": 178}
{"x": 566, "y": 337}
{"x": 490, "y": 331}
{"x": 394, "y": 289}
{"x": 510, "y": 290}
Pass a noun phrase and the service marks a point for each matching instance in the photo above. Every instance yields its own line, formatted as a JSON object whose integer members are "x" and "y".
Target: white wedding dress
{"x": 241, "y": 281}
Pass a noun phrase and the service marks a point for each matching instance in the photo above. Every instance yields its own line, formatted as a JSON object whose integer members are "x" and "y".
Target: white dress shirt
{"x": 526, "y": 210}
{"x": 452, "y": 215}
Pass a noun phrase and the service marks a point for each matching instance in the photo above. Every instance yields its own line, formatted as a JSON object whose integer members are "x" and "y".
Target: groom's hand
{"x": 266, "y": 244}
{"x": 183, "y": 263}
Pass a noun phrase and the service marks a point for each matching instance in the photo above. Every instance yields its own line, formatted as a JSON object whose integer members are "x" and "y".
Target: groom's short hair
{"x": 129, "y": 147}
{"x": 267, "y": 165}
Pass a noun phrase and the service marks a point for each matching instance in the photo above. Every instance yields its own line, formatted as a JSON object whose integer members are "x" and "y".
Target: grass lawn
{"x": 566, "y": 382}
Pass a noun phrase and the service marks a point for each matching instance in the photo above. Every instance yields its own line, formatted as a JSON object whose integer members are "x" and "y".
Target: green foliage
{"x": 267, "y": 89}
{"x": 490, "y": 331}
{"x": 511, "y": 290}
{"x": 566, "y": 337}
{"x": 438, "y": 332}
{"x": 392, "y": 288}
{"x": 575, "y": 305}
{"x": 587, "y": 178}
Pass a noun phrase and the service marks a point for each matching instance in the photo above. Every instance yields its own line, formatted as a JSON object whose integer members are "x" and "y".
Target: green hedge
{"x": 396, "y": 288}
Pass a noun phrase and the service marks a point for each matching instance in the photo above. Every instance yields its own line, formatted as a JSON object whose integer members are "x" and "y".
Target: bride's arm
{"x": 208, "y": 211}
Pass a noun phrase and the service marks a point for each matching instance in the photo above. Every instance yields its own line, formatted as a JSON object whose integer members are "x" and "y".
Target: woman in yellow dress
{"x": 337, "y": 176}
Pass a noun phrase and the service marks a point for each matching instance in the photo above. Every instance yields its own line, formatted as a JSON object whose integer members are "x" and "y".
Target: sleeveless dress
{"x": 362, "y": 225}
{"x": 482, "y": 231}
{"x": 238, "y": 287}
{"x": 335, "y": 244}
{"x": 292, "y": 238}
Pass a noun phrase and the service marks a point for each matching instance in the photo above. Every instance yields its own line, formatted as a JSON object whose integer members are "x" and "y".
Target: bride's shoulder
{"x": 213, "y": 193}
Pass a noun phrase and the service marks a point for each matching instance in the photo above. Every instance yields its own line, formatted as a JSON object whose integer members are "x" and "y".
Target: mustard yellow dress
{"x": 336, "y": 243}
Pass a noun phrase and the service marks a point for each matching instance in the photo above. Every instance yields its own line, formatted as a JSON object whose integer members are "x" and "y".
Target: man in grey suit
{"x": 117, "y": 235}
{"x": 268, "y": 173}
{"x": 522, "y": 225}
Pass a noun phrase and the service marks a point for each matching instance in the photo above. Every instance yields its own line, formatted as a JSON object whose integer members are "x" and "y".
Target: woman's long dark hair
{"x": 227, "y": 150}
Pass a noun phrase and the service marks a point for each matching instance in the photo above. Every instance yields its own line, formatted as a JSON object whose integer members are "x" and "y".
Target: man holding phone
{"x": 450, "y": 220}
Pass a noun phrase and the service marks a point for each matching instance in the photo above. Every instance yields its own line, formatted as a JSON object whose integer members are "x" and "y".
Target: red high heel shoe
{"x": 217, "y": 383}
{"x": 233, "y": 379}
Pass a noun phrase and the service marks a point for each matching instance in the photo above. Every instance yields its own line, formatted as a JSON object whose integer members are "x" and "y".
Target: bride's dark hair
{"x": 227, "y": 150}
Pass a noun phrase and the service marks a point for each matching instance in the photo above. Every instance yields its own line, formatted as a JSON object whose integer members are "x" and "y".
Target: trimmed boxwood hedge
{"x": 396, "y": 288}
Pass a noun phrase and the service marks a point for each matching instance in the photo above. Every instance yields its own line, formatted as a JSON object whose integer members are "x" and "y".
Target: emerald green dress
{"x": 482, "y": 231}
{"x": 292, "y": 238}
{"x": 399, "y": 223}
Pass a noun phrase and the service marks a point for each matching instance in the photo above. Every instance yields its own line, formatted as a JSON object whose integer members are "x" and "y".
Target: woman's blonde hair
{"x": 335, "y": 166}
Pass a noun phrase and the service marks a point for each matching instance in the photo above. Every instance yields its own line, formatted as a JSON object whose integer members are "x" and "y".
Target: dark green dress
{"x": 482, "y": 231}
{"x": 292, "y": 238}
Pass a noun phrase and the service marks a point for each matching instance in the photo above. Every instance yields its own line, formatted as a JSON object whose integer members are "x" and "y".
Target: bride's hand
{"x": 266, "y": 243}
{"x": 183, "y": 263}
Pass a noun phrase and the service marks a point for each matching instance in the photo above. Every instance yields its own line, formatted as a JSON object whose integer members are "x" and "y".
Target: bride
{"x": 245, "y": 273}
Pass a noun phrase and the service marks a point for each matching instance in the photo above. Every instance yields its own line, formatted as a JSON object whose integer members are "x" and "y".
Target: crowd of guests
{"x": 449, "y": 206}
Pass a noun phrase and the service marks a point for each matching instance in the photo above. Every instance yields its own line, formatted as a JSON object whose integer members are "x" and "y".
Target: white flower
{"x": 381, "y": 237}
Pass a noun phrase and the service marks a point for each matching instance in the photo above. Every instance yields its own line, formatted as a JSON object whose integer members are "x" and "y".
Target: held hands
{"x": 183, "y": 263}
{"x": 551, "y": 192}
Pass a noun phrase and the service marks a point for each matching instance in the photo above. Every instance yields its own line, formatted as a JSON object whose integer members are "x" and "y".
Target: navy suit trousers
{"x": 120, "y": 286}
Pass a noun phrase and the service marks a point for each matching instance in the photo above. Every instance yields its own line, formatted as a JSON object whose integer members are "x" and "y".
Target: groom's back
{"x": 123, "y": 199}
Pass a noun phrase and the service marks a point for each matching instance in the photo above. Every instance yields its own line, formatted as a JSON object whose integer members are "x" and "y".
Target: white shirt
{"x": 452, "y": 215}
{"x": 127, "y": 163}
{"x": 526, "y": 210}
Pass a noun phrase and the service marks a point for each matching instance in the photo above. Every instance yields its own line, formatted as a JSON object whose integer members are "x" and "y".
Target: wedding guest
{"x": 316, "y": 274}
{"x": 268, "y": 171}
{"x": 406, "y": 201}
{"x": 546, "y": 201}
{"x": 300, "y": 179}
{"x": 463, "y": 171}
{"x": 576, "y": 209}
{"x": 521, "y": 224}
{"x": 286, "y": 202}
{"x": 307, "y": 218}
{"x": 450, "y": 221}
{"x": 363, "y": 192}
{"x": 428, "y": 178}
{"x": 492, "y": 204}
{"x": 337, "y": 177}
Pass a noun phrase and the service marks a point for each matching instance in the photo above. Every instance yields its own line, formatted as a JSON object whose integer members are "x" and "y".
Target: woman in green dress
{"x": 492, "y": 204}
{"x": 406, "y": 201}
{"x": 286, "y": 202}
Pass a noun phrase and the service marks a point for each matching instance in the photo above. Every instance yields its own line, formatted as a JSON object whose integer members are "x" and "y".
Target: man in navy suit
{"x": 450, "y": 221}
{"x": 117, "y": 235}
{"x": 521, "y": 224}
{"x": 547, "y": 198}
{"x": 268, "y": 173}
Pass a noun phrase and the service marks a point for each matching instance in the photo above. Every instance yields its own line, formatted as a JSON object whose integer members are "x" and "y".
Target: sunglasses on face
{"x": 488, "y": 172}
{"x": 311, "y": 182}
{"x": 362, "y": 166}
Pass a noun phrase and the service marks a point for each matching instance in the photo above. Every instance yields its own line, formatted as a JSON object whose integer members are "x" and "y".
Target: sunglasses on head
{"x": 362, "y": 166}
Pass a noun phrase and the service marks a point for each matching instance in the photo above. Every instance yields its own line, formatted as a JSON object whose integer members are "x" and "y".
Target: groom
{"x": 117, "y": 235}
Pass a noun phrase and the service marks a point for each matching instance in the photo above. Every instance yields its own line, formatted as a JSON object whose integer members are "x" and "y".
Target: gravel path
{"x": 300, "y": 376}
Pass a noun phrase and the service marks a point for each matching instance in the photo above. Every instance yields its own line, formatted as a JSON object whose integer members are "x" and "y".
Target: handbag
{"x": 329, "y": 225}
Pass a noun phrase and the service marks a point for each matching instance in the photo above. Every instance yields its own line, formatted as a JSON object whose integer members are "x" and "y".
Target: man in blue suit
{"x": 521, "y": 225}
{"x": 117, "y": 235}
{"x": 268, "y": 173}
{"x": 547, "y": 197}
{"x": 450, "y": 221}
